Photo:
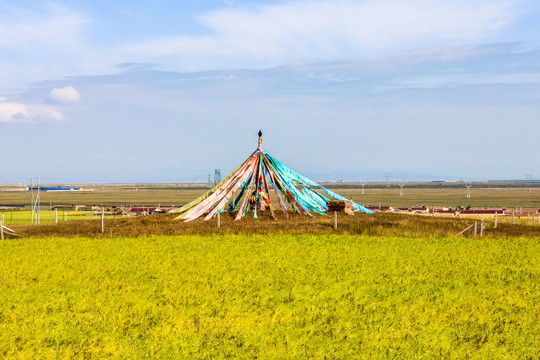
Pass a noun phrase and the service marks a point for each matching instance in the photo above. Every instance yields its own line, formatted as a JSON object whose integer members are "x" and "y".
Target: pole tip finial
{"x": 259, "y": 145}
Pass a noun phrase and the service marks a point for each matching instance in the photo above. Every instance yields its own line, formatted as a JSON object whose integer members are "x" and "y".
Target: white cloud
{"x": 337, "y": 28}
{"x": 67, "y": 94}
{"x": 13, "y": 112}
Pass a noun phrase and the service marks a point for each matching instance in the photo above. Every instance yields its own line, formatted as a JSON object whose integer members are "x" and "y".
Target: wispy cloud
{"x": 336, "y": 29}
{"x": 456, "y": 80}
{"x": 22, "y": 28}
{"x": 44, "y": 40}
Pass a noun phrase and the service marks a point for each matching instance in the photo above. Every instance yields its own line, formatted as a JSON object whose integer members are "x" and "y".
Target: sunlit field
{"x": 270, "y": 296}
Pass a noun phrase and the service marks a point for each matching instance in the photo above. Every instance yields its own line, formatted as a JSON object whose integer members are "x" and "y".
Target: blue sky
{"x": 167, "y": 91}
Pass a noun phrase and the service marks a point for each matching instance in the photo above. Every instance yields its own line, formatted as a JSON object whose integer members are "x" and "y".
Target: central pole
{"x": 259, "y": 145}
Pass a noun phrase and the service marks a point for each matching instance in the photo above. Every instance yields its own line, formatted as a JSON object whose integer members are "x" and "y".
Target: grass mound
{"x": 380, "y": 224}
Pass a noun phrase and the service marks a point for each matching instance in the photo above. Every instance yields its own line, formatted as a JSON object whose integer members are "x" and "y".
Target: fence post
{"x": 218, "y": 220}
{"x": 102, "y": 224}
{"x": 335, "y": 220}
{"x": 56, "y": 216}
{"x": 495, "y": 226}
{"x": 475, "y": 228}
{"x": 1, "y": 230}
{"x": 482, "y": 227}
{"x": 513, "y": 221}
{"x": 65, "y": 215}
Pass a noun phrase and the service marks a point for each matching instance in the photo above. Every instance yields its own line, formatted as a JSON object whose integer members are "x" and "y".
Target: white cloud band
{"x": 327, "y": 29}
{"x": 12, "y": 112}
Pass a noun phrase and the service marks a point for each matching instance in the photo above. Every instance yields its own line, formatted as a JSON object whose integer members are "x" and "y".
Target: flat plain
{"x": 483, "y": 195}
{"x": 383, "y": 286}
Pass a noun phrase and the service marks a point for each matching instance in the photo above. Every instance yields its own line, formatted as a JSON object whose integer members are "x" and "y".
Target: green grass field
{"x": 45, "y": 216}
{"x": 270, "y": 296}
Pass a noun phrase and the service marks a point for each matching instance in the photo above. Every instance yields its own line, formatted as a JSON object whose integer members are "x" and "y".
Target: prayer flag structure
{"x": 248, "y": 188}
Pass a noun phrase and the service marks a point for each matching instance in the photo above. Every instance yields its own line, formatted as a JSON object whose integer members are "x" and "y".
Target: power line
{"x": 217, "y": 176}
{"x": 468, "y": 185}
{"x": 529, "y": 178}
{"x": 34, "y": 201}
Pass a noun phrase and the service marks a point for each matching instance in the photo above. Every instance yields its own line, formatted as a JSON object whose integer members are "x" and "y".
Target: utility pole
{"x": 401, "y": 187}
{"x": 529, "y": 178}
{"x": 34, "y": 201}
{"x": 363, "y": 185}
{"x": 468, "y": 185}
